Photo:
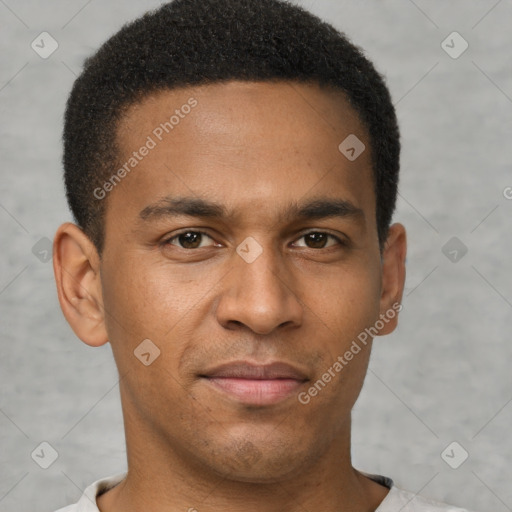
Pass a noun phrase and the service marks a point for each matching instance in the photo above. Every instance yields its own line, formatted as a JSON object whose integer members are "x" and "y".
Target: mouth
{"x": 256, "y": 384}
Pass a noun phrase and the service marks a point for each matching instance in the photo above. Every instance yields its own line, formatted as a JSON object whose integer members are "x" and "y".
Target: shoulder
{"x": 409, "y": 502}
{"x": 87, "y": 502}
{"x": 399, "y": 499}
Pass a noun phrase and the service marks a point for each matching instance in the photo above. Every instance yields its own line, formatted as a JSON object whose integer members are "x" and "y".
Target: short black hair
{"x": 195, "y": 42}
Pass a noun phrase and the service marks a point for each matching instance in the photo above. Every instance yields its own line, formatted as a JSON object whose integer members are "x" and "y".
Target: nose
{"x": 259, "y": 294}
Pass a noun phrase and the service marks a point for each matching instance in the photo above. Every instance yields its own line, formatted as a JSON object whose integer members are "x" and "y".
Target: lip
{"x": 256, "y": 384}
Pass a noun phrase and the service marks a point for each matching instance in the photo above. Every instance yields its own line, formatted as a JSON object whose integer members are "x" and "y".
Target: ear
{"x": 76, "y": 265}
{"x": 393, "y": 277}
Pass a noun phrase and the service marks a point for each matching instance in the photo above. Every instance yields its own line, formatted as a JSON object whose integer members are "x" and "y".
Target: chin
{"x": 260, "y": 464}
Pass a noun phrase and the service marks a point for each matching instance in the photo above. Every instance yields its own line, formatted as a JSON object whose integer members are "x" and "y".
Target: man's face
{"x": 255, "y": 285}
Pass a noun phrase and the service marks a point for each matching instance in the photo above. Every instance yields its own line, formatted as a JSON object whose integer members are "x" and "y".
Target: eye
{"x": 319, "y": 239}
{"x": 194, "y": 240}
{"x": 188, "y": 239}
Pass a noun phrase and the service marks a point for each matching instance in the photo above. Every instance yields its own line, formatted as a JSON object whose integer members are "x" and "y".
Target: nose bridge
{"x": 257, "y": 293}
{"x": 260, "y": 269}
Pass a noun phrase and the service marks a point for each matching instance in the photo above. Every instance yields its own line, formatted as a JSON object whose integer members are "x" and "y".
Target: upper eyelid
{"x": 168, "y": 238}
{"x": 340, "y": 239}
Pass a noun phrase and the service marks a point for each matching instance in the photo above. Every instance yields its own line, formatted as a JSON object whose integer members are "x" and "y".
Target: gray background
{"x": 443, "y": 376}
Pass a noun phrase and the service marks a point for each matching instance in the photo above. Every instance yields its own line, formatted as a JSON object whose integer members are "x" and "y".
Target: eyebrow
{"x": 320, "y": 208}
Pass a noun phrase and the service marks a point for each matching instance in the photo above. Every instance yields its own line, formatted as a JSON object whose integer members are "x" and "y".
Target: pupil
{"x": 318, "y": 239}
{"x": 189, "y": 238}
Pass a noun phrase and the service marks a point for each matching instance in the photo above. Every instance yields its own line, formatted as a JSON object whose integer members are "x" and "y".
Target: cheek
{"x": 350, "y": 305}
{"x": 348, "y": 301}
{"x": 146, "y": 304}
{"x": 151, "y": 301}
{"x": 145, "y": 299}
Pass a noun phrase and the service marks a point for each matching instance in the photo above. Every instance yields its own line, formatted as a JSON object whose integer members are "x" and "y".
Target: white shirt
{"x": 397, "y": 500}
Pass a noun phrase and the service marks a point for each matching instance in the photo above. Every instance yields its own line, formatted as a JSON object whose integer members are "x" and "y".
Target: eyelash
{"x": 340, "y": 241}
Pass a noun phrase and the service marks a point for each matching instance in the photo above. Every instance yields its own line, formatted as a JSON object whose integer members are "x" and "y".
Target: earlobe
{"x": 393, "y": 277}
{"x": 76, "y": 267}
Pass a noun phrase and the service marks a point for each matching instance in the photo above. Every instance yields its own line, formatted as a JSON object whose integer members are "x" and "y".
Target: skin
{"x": 254, "y": 148}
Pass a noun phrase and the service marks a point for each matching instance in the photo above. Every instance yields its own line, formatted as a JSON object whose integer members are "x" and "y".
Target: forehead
{"x": 242, "y": 144}
{"x": 251, "y": 104}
